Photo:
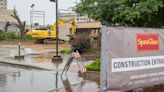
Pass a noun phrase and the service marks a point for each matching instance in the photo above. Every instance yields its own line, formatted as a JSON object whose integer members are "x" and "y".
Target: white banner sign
{"x": 137, "y": 63}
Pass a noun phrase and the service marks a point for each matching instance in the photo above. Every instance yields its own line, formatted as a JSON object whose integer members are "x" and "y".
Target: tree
{"x": 6, "y": 26}
{"x": 141, "y": 13}
{"x": 20, "y": 25}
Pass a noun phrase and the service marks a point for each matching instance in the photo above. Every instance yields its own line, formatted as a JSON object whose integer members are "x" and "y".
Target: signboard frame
{"x": 106, "y": 71}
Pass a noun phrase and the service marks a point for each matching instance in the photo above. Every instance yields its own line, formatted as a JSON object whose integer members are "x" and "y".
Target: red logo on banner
{"x": 147, "y": 41}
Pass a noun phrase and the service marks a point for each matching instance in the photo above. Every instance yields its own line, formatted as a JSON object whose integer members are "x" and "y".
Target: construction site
{"x": 81, "y": 46}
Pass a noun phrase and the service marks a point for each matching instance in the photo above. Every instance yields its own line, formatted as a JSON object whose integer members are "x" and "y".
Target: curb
{"x": 28, "y": 66}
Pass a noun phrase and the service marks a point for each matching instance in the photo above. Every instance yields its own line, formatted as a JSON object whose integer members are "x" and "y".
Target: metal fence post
{"x": 103, "y": 72}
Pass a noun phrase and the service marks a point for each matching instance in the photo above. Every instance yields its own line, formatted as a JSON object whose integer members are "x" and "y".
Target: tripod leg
{"x": 63, "y": 71}
{"x": 67, "y": 65}
{"x": 82, "y": 62}
{"x": 78, "y": 65}
{"x": 67, "y": 70}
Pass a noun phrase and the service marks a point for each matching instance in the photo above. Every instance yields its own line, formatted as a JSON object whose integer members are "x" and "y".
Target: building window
{"x": 1, "y": 3}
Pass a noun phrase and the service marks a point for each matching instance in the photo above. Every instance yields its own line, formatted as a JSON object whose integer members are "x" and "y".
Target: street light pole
{"x": 31, "y": 17}
{"x": 57, "y": 28}
{"x": 57, "y": 58}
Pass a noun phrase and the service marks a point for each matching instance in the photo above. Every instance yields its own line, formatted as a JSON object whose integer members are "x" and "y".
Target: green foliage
{"x": 66, "y": 51}
{"x": 162, "y": 27}
{"x": 11, "y": 36}
{"x": 142, "y": 13}
{"x": 7, "y": 35}
{"x": 95, "y": 66}
{"x": 27, "y": 37}
{"x": 2, "y": 35}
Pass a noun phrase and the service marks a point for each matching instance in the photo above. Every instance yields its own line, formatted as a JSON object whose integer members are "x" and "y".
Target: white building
{"x": 3, "y": 4}
{"x": 67, "y": 14}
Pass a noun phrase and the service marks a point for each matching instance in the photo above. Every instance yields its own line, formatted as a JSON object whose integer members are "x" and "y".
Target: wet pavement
{"x": 37, "y": 56}
{"x": 21, "y": 79}
{"x": 5, "y": 69}
{"x": 45, "y": 81}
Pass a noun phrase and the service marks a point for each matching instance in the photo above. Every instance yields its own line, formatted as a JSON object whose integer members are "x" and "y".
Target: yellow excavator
{"x": 48, "y": 35}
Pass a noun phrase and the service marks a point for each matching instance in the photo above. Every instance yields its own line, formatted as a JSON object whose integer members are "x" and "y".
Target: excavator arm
{"x": 63, "y": 21}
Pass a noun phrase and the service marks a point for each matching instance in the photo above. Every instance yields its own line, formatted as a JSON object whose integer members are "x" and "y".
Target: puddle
{"x": 37, "y": 81}
{"x": 16, "y": 79}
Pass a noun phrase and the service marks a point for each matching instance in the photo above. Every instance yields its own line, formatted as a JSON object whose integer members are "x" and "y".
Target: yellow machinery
{"x": 48, "y": 35}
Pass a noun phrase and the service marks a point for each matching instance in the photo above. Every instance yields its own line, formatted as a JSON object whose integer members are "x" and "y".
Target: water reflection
{"x": 23, "y": 82}
{"x": 28, "y": 51}
{"x": 15, "y": 76}
{"x": 42, "y": 81}
{"x": 3, "y": 80}
{"x": 43, "y": 61}
{"x": 56, "y": 64}
{"x": 80, "y": 88}
{"x": 67, "y": 85}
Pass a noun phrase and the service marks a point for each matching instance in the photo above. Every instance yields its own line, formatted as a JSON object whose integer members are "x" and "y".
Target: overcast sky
{"x": 23, "y": 8}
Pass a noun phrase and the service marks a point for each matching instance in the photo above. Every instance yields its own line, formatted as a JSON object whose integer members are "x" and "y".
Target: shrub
{"x": 27, "y": 37}
{"x": 86, "y": 44}
{"x": 7, "y": 35}
{"x": 66, "y": 51}
{"x": 83, "y": 43}
{"x": 162, "y": 27}
{"x": 11, "y": 36}
{"x": 2, "y": 35}
{"x": 95, "y": 66}
{"x": 96, "y": 45}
